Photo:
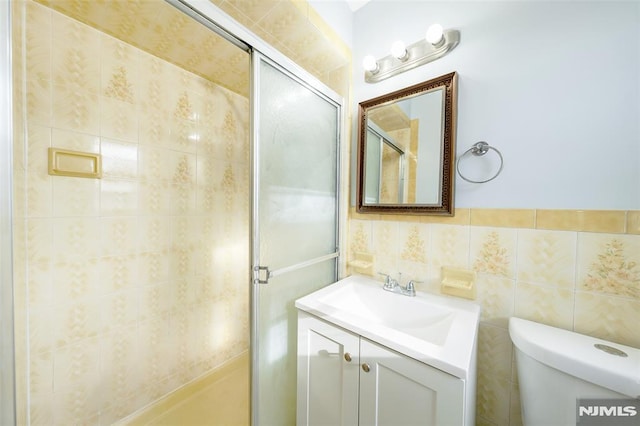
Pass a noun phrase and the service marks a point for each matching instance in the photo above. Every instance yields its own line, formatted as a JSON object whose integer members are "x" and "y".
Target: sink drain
{"x": 610, "y": 350}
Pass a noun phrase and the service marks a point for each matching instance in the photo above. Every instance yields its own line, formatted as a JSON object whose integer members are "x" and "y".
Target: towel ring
{"x": 479, "y": 149}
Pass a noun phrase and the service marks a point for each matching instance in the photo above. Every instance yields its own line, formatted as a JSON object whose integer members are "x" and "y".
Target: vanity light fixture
{"x": 370, "y": 64}
{"x": 437, "y": 43}
{"x": 399, "y": 51}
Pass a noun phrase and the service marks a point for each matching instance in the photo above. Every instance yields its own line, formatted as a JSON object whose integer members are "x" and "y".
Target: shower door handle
{"x": 256, "y": 274}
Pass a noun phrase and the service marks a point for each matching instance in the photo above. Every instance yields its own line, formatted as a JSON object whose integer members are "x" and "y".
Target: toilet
{"x": 556, "y": 367}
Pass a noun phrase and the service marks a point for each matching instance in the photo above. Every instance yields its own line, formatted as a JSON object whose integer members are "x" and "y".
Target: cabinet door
{"x": 400, "y": 391}
{"x": 327, "y": 374}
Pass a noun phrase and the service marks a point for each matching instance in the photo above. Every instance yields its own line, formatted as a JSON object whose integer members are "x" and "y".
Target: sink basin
{"x": 414, "y": 316}
{"x": 440, "y": 331}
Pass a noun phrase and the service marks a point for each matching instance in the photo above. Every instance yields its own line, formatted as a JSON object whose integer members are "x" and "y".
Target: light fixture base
{"x": 419, "y": 53}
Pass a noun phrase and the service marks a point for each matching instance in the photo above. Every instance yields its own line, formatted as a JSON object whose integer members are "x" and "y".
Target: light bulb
{"x": 399, "y": 50}
{"x": 370, "y": 64}
{"x": 435, "y": 34}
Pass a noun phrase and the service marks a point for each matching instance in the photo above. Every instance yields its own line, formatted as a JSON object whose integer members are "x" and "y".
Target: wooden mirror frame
{"x": 445, "y": 207}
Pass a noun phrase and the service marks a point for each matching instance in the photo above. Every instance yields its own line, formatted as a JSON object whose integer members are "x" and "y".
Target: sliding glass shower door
{"x": 295, "y": 222}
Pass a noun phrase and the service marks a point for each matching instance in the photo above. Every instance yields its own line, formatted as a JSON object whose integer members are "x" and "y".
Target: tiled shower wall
{"x": 131, "y": 285}
{"x": 577, "y": 270}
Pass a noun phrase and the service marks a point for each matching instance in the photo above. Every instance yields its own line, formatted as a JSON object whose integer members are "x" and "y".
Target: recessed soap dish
{"x": 458, "y": 282}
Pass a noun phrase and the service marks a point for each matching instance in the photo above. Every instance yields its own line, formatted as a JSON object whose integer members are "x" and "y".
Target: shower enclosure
{"x": 217, "y": 207}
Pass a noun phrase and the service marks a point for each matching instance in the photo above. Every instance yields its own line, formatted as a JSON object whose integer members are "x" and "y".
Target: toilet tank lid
{"x": 575, "y": 354}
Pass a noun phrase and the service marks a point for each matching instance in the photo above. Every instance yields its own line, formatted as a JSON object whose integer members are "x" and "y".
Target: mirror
{"x": 406, "y": 149}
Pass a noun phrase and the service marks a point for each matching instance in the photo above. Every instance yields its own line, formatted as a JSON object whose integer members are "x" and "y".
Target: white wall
{"x": 554, "y": 85}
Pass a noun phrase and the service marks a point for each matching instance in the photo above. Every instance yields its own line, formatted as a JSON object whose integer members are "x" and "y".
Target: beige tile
{"x": 449, "y": 247}
{"x": 118, "y": 197}
{"x": 41, "y": 372}
{"x": 414, "y": 242}
{"x": 608, "y": 317}
{"x": 255, "y": 10}
{"x": 74, "y": 322}
{"x": 75, "y": 58}
{"x": 154, "y": 197}
{"x": 547, "y": 305}
{"x": 119, "y": 360}
{"x": 118, "y": 119}
{"x": 75, "y": 141}
{"x": 39, "y": 101}
{"x": 120, "y": 63}
{"x": 494, "y": 351}
{"x": 360, "y": 237}
{"x": 385, "y": 247}
{"x": 515, "y": 409}
{"x": 74, "y": 196}
{"x": 494, "y": 370}
{"x": 75, "y": 280}
{"x": 153, "y": 267}
{"x": 119, "y": 235}
{"x": 76, "y": 110}
{"x": 39, "y": 233}
{"x": 609, "y": 263}
{"x": 40, "y": 286}
{"x": 38, "y": 40}
{"x": 119, "y": 159}
{"x": 612, "y": 221}
{"x": 493, "y": 251}
{"x": 633, "y": 222}
{"x": 547, "y": 257}
{"x": 495, "y": 295}
{"x": 76, "y": 237}
{"x": 328, "y": 32}
{"x": 40, "y": 408}
{"x": 77, "y": 364}
{"x": 118, "y": 273}
{"x": 413, "y": 250}
{"x": 120, "y": 310}
{"x": 509, "y": 218}
{"x": 492, "y": 400}
{"x": 41, "y": 337}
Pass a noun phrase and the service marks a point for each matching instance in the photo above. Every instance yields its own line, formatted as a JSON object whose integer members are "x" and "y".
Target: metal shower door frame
{"x": 205, "y": 12}
{"x": 7, "y": 344}
{"x": 262, "y": 273}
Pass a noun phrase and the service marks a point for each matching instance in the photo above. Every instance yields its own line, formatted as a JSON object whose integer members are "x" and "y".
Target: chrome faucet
{"x": 390, "y": 284}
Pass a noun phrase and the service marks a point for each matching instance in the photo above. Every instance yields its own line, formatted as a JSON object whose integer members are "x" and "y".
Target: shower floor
{"x": 222, "y": 401}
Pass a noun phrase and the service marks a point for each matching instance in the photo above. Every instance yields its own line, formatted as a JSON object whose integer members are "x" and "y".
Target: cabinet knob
{"x": 366, "y": 367}
{"x": 347, "y": 356}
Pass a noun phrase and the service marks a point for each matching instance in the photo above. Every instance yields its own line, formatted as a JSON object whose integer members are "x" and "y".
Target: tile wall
{"x": 577, "y": 270}
{"x": 299, "y": 32}
{"x": 129, "y": 286}
{"x": 572, "y": 269}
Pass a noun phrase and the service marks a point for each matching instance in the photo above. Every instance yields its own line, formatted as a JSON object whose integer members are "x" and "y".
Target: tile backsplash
{"x": 577, "y": 270}
{"x": 127, "y": 286}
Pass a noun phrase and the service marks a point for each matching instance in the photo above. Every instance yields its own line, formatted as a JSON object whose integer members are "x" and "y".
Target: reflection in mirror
{"x": 385, "y": 172}
{"x": 406, "y": 150}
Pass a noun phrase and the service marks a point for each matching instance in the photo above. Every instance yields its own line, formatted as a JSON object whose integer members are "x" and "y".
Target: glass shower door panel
{"x": 297, "y": 171}
{"x": 296, "y": 228}
{"x": 277, "y": 364}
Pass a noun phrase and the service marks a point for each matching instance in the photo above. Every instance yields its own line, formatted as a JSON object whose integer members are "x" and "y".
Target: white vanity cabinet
{"x": 346, "y": 379}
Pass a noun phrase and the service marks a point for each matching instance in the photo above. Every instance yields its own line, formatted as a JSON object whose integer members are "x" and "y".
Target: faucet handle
{"x": 410, "y": 288}
{"x": 388, "y": 281}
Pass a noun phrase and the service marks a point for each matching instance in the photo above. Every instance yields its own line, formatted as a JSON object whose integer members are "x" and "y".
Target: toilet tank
{"x": 557, "y": 367}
